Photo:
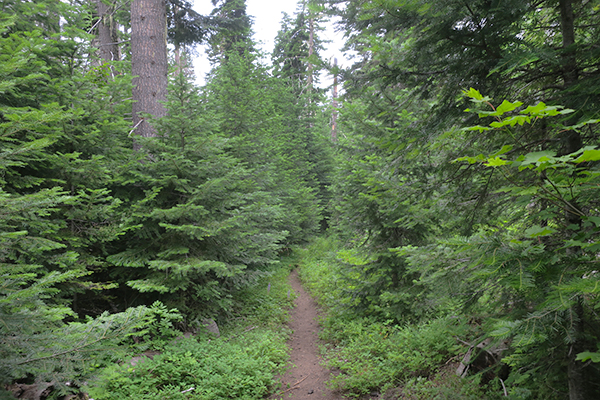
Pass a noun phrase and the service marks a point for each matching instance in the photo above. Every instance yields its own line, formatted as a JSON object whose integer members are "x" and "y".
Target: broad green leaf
{"x": 591, "y": 247}
{"x": 505, "y": 149}
{"x": 538, "y": 157}
{"x": 496, "y": 162}
{"x": 574, "y": 243}
{"x": 589, "y": 154}
{"x": 507, "y": 106}
{"x": 584, "y": 123}
{"x": 535, "y": 110}
{"x": 536, "y": 231}
{"x": 473, "y": 93}
{"x": 595, "y": 220}
{"x": 471, "y": 160}
{"x": 477, "y": 128}
{"x": 543, "y": 110}
{"x": 588, "y": 355}
{"x": 512, "y": 121}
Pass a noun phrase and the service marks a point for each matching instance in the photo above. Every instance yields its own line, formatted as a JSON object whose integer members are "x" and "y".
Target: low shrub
{"x": 203, "y": 370}
{"x": 445, "y": 385}
{"x": 240, "y": 364}
{"x": 372, "y": 355}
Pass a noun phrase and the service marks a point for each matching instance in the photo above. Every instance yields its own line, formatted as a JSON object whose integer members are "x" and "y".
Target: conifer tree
{"x": 200, "y": 225}
{"x": 250, "y": 106}
{"x": 305, "y": 118}
{"x": 56, "y": 212}
{"x": 400, "y": 182}
{"x": 234, "y": 31}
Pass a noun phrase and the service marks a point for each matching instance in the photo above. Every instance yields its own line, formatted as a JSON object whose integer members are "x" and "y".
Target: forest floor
{"x": 306, "y": 378}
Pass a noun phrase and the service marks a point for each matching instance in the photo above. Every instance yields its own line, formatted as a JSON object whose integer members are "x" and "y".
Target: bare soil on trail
{"x": 306, "y": 378}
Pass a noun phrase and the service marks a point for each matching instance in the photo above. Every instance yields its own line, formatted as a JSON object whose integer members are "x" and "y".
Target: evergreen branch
{"x": 76, "y": 349}
{"x": 104, "y": 336}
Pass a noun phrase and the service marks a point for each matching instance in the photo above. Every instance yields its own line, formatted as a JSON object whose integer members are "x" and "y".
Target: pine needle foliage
{"x": 52, "y": 225}
{"x": 199, "y": 225}
{"x": 258, "y": 113}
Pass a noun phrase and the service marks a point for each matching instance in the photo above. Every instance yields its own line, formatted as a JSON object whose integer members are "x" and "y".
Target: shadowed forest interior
{"x": 440, "y": 197}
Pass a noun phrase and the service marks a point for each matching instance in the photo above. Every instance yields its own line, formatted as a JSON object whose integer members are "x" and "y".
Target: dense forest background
{"x": 456, "y": 180}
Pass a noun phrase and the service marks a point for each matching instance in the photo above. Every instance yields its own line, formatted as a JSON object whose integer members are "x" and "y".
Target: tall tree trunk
{"x": 178, "y": 67}
{"x": 108, "y": 49}
{"x": 578, "y": 384}
{"x": 311, "y": 49}
{"x": 148, "y": 62}
{"x": 572, "y": 139}
{"x": 335, "y": 103}
{"x": 569, "y": 66}
{"x": 569, "y": 60}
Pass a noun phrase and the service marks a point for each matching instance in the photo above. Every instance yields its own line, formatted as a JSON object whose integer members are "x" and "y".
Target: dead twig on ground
{"x": 294, "y": 386}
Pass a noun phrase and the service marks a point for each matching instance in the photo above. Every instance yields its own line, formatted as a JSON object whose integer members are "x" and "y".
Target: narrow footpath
{"x": 305, "y": 380}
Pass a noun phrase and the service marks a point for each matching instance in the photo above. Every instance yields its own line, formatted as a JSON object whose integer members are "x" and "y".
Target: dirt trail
{"x": 306, "y": 379}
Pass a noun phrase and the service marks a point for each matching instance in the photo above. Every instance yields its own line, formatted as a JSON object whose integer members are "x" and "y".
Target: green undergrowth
{"x": 384, "y": 358}
{"x": 240, "y": 364}
{"x": 375, "y": 356}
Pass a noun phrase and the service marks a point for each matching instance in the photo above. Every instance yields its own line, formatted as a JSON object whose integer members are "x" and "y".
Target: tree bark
{"x": 311, "y": 49}
{"x": 569, "y": 60}
{"x": 335, "y": 103}
{"x": 579, "y": 383}
{"x": 570, "y": 75}
{"x": 578, "y": 386}
{"x": 148, "y": 63}
{"x": 108, "y": 49}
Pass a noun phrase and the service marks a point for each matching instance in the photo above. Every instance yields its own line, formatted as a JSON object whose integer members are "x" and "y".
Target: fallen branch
{"x": 294, "y": 386}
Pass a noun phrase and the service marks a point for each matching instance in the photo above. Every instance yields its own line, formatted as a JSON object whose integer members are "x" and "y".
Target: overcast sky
{"x": 267, "y": 16}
